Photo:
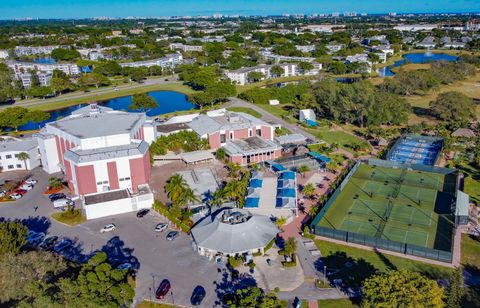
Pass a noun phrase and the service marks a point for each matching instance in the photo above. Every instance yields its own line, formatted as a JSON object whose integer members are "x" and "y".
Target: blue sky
{"x": 151, "y": 8}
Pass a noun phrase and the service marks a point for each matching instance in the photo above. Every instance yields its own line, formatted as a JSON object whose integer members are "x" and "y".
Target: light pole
{"x": 153, "y": 282}
{"x": 150, "y": 294}
{"x": 325, "y": 275}
{"x": 173, "y": 301}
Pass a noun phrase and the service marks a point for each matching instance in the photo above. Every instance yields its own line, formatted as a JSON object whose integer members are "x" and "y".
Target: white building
{"x": 34, "y": 50}
{"x": 305, "y": 48}
{"x": 169, "y": 61}
{"x": 360, "y": 58}
{"x": 185, "y": 48}
{"x": 3, "y": 54}
{"x": 428, "y": 42}
{"x": 416, "y": 27}
{"x": 43, "y": 79}
{"x": 11, "y": 148}
{"x": 306, "y": 115}
{"x": 240, "y": 76}
{"x": 23, "y": 67}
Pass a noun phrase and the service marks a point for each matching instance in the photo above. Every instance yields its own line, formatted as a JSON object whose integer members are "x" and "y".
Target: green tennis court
{"x": 389, "y": 203}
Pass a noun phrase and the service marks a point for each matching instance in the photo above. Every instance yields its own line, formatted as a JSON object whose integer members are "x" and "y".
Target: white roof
{"x": 196, "y": 156}
{"x": 18, "y": 145}
{"x": 213, "y": 234}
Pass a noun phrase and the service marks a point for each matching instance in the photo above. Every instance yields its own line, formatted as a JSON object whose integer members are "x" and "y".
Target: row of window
{"x": 120, "y": 180}
{"x": 223, "y": 137}
{"x": 8, "y": 156}
{"x": 13, "y": 166}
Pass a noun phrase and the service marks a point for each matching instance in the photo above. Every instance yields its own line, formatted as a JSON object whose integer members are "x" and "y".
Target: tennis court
{"x": 389, "y": 203}
{"x": 414, "y": 149}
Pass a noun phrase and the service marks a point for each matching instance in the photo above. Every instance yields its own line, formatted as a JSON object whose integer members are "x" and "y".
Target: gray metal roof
{"x": 462, "y": 204}
{"x": 196, "y": 156}
{"x": 204, "y": 124}
{"x": 84, "y": 156}
{"x": 18, "y": 145}
{"x": 251, "y": 145}
{"x": 99, "y": 125}
{"x": 291, "y": 138}
{"x": 202, "y": 181}
{"x": 213, "y": 234}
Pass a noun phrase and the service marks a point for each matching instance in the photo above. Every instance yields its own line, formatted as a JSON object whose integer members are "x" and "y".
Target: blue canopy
{"x": 278, "y": 167}
{"x": 255, "y": 183}
{"x": 251, "y": 202}
{"x": 287, "y": 175}
{"x": 320, "y": 157}
{"x": 311, "y": 123}
{"x": 286, "y": 193}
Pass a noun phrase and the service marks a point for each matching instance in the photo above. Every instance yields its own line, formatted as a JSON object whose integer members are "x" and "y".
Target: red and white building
{"x": 245, "y": 138}
{"x": 104, "y": 155}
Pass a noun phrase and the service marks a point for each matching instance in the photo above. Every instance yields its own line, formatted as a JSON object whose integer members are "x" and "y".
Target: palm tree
{"x": 24, "y": 157}
{"x": 187, "y": 197}
{"x": 175, "y": 187}
{"x": 313, "y": 211}
{"x": 308, "y": 190}
{"x": 303, "y": 169}
{"x": 234, "y": 190}
{"x": 218, "y": 197}
{"x": 280, "y": 222}
{"x": 233, "y": 170}
{"x": 290, "y": 246}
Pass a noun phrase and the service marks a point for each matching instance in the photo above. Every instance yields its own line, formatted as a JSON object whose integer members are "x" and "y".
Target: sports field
{"x": 400, "y": 205}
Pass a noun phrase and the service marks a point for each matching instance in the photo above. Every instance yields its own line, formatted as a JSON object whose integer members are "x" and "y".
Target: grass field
{"x": 245, "y": 110}
{"x": 470, "y": 251}
{"x": 268, "y": 82}
{"x": 336, "y": 303}
{"x": 148, "y": 304}
{"x": 67, "y": 99}
{"x": 393, "y": 204}
{"x": 336, "y": 254}
{"x": 69, "y": 219}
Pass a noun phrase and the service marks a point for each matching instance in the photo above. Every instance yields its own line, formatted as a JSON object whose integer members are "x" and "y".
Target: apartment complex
{"x": 240, "y": 76}
{"x": 169, "y": 61}
{"x": 34, "y": 50}
{"x": 9, "y": 154}
{"x": 23, "y": 67}
{"x": 43, "y": 79}
{"x": 185, "y": 48}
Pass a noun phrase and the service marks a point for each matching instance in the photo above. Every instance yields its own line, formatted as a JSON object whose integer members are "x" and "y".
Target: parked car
{"x": 125, "y": 266}
{"x": 26, "y": 187}
{"x": 31, "y": 181}
{"x": 2, "y": 194}
{"x": 61, "y": 203}
{"x": 54, "y": 197}
{"x": 20, "y": 191}
{"x": 198, "y": 295}
{"x": 172, "y": 235}
{"x": 36, "y": 238}
{"x": 15, "y": 196}
{"x": 142, "y": 213}
{"x": 108, "y": 228}
{"x": 48, "y": 243}
{"x": 62, "y": 245}
{"x": 163, "y": 289}
{"x": 160, "y": 227}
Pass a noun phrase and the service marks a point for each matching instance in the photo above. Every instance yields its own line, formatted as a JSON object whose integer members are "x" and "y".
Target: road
{"x": 95, "y": 92}
{"x": 267, "y": 116}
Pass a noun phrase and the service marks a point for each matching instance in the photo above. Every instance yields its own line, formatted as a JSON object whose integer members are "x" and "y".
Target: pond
{"x": 416, "y": 58}
{"x": 168, "y": 101}
{"x": 45, "y": 60}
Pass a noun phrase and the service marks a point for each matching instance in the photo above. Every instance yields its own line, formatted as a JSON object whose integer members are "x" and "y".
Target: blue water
{"x": 416, "y": 58}
{"x": 46, "y": 60}
{"x": 168, "y": 101}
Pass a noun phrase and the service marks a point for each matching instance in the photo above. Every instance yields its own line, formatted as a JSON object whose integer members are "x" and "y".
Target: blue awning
{"x": 255, "y": 183}
{"x": 319, "y": 157}
{"x": 311, "y": 123}
{"x": 287, "y": 175}
{"x": 251, "y": 202}
{"x": 286, "y": 193}
{"x": 278, "y": 167}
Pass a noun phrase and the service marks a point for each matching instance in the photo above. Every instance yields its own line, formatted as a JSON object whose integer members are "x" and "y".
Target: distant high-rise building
{"x": 217, "y": 16}
{"x": 335, "y": 14}
{"x": 392, "y": 14}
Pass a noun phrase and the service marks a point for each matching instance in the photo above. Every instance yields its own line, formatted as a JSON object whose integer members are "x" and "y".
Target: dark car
{"x": 172, "y": 235}
{"x": 142, "y": 213}
{"x": 162, "y": 289}
{"x": 48, "y": 243}
{"x": 59, "y": 196}
{"x": 198, "y": 295}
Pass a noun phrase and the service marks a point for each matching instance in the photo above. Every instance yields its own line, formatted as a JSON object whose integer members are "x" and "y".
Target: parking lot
{"x": 134, "y": 240}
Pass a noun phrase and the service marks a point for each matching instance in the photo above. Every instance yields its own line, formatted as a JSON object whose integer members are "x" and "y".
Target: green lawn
{"x": 470, "y": 251}
{"x": 149, "y": 304}
{"x": 272, "y": 81}
{"x": 90, "y": 97}
{"x": 245, "y": 110}
{"x": 278, "y": 110}
{"x": 343, "y": 139}
{"x": 365, "y": 263}
{"x": 336, "y": 303}
{"x": 71, "y": 220}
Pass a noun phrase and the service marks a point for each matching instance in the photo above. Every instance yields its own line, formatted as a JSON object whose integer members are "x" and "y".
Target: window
{"x": 223, "y": 138}
{"x": 231, "y": 135}
{"x": 99, "y": 183}
{"x": 250, "y": 133}
{"x": 10, "y": 166}
{"x": 127, "y": 179}
{"x": 19, "y": 166}
{"x": 8, "y": 156}
{"x": 259, "y": 132}
{"x": 16, "y": 155}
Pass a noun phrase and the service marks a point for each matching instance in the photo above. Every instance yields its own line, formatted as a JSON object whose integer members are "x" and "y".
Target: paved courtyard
{"x": 134, "y": 240}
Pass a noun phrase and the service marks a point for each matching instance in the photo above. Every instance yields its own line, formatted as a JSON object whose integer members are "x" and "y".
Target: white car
{"x": 31, "y": 181}
{"x": 108, "y": 228}
{"x": 26, "y": 187}
{"x": 15, "y": 196}
{"x": 160, "y": 227}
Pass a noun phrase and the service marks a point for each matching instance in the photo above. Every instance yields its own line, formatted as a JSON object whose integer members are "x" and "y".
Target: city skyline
{"x": 159, "y": 8}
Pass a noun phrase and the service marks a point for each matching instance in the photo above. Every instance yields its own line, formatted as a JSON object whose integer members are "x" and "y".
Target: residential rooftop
{"x": 204, "y": 124}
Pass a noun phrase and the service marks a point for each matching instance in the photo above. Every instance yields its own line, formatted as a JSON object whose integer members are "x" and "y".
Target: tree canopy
{"x": 453, "y": 106}
{"x": 402, "y": 289}
{"x": 13, "y": 236}
{"x": 142, "y": 101}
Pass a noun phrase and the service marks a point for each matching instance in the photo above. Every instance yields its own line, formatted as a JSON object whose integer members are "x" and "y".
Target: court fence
{"x": 408, "y": 249}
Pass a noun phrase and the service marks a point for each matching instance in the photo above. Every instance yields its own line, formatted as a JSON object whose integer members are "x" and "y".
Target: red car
{"x": 20, "y": 191}
{"x": 162, "y": 289}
